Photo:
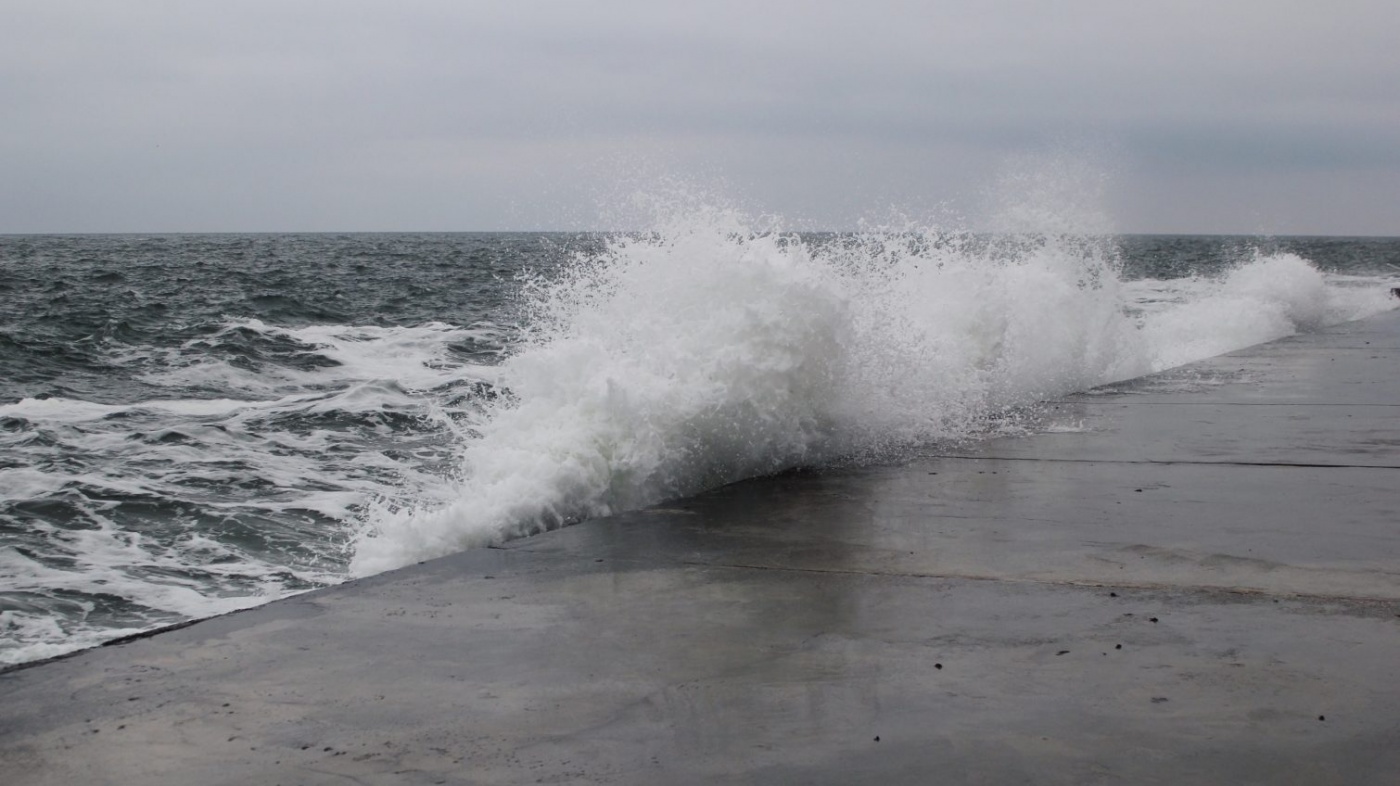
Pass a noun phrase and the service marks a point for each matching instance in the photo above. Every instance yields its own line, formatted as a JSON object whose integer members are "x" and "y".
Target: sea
{"x": 194, "y": 424}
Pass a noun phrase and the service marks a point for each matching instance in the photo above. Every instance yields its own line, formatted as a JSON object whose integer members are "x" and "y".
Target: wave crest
{"x": 705, "y": 352}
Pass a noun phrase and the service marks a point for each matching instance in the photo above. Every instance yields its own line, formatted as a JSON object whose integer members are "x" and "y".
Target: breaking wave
{"x": 707, "y": 351}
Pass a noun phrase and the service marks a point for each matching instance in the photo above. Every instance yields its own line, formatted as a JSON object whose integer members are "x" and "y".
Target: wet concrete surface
{"x": 1188, "y": 579}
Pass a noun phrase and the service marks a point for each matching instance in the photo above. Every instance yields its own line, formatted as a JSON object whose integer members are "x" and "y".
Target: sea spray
{"x": 673, "y": 362}
{"x": 704, "y": 352}
{"x": 1265, "y": 297}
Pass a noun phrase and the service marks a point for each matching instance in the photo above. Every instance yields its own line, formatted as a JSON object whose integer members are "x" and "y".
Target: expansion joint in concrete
{"x": 1203, "y": 589}
{"x": 1160, "y": 462}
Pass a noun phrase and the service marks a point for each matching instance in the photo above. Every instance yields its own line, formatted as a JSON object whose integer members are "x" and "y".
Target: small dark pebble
{"x": 938, "y": 665}
{"x": 1158, "y": 699}
{"x": 1113, "y": 594}
{"x": 327, "y": 749}
{"x": 1062, "y": 652}
{"x": 489, "y": 577}
{"x": 1118, "y": 646}
{"x": 225, "y": 704}
{"x": 877, "y": 738}
{"x": 1138, "y": 490}
{"x": 598, "y": 560}
{"x": 1153, "y": 619}
{"x": 306, "y": 747}
{"x": 933, "y": 473}
{"x": 1322, "y": 717}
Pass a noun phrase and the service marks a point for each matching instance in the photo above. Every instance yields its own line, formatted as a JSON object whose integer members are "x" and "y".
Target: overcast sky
{"x": 1248, "y": 116}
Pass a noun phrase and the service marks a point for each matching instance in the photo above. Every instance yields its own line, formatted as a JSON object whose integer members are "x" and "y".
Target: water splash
{"x": 708, "y": 350}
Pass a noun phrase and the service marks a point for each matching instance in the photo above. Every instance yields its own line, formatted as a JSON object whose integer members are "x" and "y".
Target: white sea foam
{"x": 302, "y": 445}
{"x": 415, "y": 357}
{"x": 1265, "y": 298}
{"x": 65, "y": 410}
{"x": 705, "y": 351}
{"x": 107, "y": 552}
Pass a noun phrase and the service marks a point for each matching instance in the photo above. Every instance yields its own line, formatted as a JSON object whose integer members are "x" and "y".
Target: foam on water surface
{"x": 123, "y": 516}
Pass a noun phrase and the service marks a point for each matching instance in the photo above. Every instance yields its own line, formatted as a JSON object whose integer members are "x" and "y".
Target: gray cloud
{"x": 488, "y": 115}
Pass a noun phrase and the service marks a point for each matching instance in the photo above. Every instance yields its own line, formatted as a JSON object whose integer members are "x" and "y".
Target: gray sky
{"x": 1276, "y": 116}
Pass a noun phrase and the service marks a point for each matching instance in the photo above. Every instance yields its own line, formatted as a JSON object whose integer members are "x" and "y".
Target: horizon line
{"x": 1262, "y": 235}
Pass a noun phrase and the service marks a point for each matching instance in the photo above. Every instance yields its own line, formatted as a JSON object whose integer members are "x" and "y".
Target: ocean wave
{"x": 706, "y": 351}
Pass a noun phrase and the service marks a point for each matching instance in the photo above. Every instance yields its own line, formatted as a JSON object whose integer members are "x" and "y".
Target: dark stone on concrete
{"x": 1177, "y": 584}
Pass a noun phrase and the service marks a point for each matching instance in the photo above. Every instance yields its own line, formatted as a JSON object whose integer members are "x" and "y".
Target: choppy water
{"x": 196, "y": 423}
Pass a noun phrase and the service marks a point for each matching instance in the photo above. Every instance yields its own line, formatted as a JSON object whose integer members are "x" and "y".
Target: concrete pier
{"x": 1192, "y": 578}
